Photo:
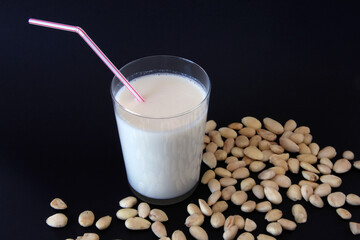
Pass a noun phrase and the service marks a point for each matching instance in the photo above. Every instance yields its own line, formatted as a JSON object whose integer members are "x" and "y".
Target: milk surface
{"x": 162, "y": 150}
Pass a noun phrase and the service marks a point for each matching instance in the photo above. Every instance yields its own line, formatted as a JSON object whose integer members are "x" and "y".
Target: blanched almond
{"x": 323, "y": 190}
{"x": 299, "y": 213}
{"x": 193, "y": 208}
{"x": 58, "y": 204}
{"x": 209, "y": 159}
{"x": 87, "y": 218}
{"x": 287, "y": 224}
{"x": 250, "y": 225}
{"x": 273, "y": 215}
{"x": 178, "y": 235}
{"x": 235, "y": 126}
{"x": 306, "y": 192}
{"x": 349, "y": 155}
{"x": 246, "y": 236}
{"x": 343, "y": 213}
{"x": 222, "y": 172}
{"x": 159, "y": 229}
{"x": 239, "y": 197}
{"x": 258, "y": 191}
{"x": 336, "y": 199}
{"x": 208, "y": 175}
{"x": 198, "y": 233}
{"x": 220, "y": 206}
{"x": 354, "y": 228}
{"x": 210, "y": 125}
{"x": 253, "y": 153}
{"x": 307, "y": 157}
{"x": 211, "y": 147}
{"x": 266, "y": 174}
{"x": 196, "y": 219}
{"x": 327, "y": 152}
{"x": 215, "y": 137}
{"x": 58, "y": 220}
{"x": 240, "y": 173}
{"x": 251, "y": 122}
{"x": 103, "y": 222}
{"x": 158, "y": 215}
{"x": 247, "y": 131}
{"x": 227, "y": 132}
{"x": 247, "y": 184}
{"x": 353, "y": 199}
{"x": 290, "y": 125}
{"x": 248, "y": 206}
{"x": 293, "y": 165}
{"x": 267, "y": 135}
{"x": 230, "y": 233}
{"x": 204, "y": 207}
{"x": 262, "y": 236}
{"x": 273, "y": 195}
{"x": 342, "y": 166}
{"x": 302, "y": 129}
{"x": 137, "y": 223}
{"x": 128, "y": 202}
{"x": 273, "y": 126}
{"x": 217, "y": 220}
{"x": 333, "y": 180}
{"x": 294, "y": 192}
{"x": 214, "y": 197}
{"x": 289, "y": 145}
{"x": 227, "y": 181}
{"x": 274, "y": 228}
{"x": 227, "y": 192}
{"x": 126, "y": 213}
{"x": 264, "y": 206}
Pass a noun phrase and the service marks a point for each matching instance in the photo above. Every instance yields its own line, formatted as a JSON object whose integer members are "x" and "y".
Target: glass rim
{"x": 162, "y": 117}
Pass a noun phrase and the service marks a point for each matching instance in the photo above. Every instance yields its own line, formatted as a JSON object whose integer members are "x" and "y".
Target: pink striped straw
{"x": 93, "y": 46}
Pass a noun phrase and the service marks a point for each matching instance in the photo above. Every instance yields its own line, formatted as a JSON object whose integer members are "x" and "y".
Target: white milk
{"x": 162, "y": 156}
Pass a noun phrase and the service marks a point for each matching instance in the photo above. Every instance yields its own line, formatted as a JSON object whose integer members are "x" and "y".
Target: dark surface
{"x": 58, "y": 137}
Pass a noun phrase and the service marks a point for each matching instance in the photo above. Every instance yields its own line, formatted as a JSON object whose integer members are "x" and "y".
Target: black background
{"x": 58, "y": 137}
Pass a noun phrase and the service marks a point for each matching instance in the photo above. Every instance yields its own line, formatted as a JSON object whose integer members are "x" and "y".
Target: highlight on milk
{"x": 162, "y": 138}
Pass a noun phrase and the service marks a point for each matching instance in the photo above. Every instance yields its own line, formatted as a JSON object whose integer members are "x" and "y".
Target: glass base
{"x": 169, "y": 201}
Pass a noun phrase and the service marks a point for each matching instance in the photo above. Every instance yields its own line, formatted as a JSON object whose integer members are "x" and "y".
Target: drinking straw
{"x": 93, "y": 46}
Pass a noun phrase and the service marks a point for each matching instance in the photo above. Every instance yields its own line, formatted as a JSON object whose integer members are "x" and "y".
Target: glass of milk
{"x": 162, "y": 138}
